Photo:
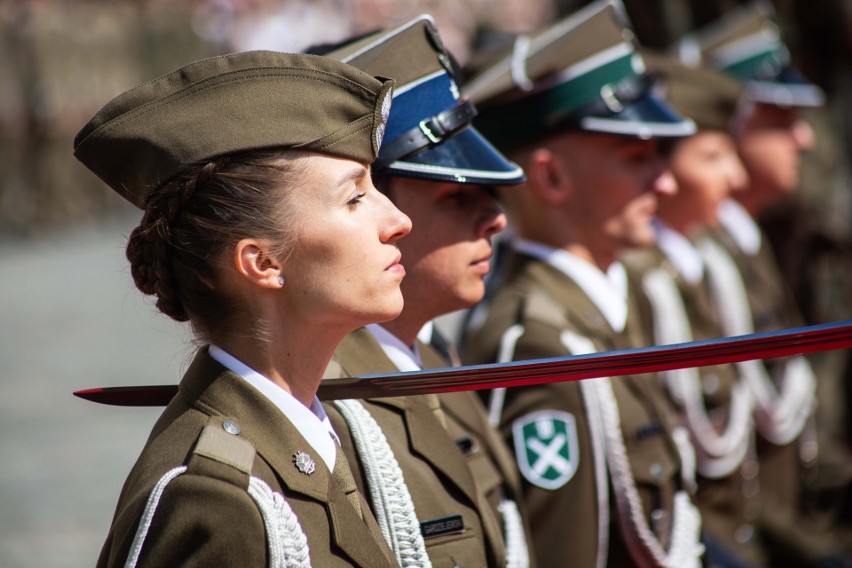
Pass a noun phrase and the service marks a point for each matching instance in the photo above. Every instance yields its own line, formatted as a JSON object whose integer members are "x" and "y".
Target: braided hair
{"x": 178, "y": 251}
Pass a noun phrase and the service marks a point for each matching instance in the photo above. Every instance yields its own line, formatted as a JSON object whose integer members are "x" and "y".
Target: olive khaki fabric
{"x": 708, "y": 97}
{"x": 489, "y": 458}
{"x": 729, "y": 505}
{"x": 205, "y": 516}
{"x": 565, "y": 519}
{"x": 772, "y": 304}
{"x": 244, "y": 101}
{"x": 795, "y": 535}
{"x": 437, "y": 474}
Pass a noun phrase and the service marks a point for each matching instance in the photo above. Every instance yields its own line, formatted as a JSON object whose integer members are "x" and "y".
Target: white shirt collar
{"x": 740, "y": 225}
{"x": 680, "y": 252}
{"x": 607, "y": 291}
{"x": 425, "y": 333}
{"x": 398, "y": 352}
{"x": 312, "y": 423}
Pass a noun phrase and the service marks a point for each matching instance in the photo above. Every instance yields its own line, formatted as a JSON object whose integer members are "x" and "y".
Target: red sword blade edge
{"x": 793, "y": 341}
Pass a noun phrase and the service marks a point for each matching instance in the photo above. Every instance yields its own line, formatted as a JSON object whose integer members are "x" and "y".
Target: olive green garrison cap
{"x": 222, "y": 105}
{"x": 707, "y": 96}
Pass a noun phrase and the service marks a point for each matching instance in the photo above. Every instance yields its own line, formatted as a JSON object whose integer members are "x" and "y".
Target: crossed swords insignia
{"x": 546, "y": 447}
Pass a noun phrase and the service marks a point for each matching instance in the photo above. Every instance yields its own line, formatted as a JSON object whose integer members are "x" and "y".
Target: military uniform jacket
{"x": 555, "y": 429}
{"x": 205, "y": 516}
{"x": 489, "y": 458}
{"x": 437, "y": 474}
{"x": 782, "y": 471}
{"x": 771, "y": 301}
{"x": 729, "y": 503}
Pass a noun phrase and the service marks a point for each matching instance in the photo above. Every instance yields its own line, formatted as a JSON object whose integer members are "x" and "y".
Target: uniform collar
{"x": 312, "y": 423}
{"x": 740, "y": 225}
{"x": 680, "y": 252}
{"x": 607, "y": 291}
{"x": 404, "y": 357}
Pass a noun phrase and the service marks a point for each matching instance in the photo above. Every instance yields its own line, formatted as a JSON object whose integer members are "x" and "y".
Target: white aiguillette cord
{"x": 718, "y": 454}
{"x": 779, "y": 416}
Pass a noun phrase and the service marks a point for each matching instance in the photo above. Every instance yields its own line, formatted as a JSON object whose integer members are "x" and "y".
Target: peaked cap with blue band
{"x": 582, "y": 73}
{"x": 746, "y": 44}
{"x": 428, "y": 134}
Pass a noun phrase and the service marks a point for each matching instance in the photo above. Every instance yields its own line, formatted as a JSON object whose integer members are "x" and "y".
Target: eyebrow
{"x": 355, "y": 174}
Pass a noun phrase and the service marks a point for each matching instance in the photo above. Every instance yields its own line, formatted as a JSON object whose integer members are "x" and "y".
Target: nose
{"x": 396, "y": 225}
{"x": 664, "y": 183}
{"x": 738, "y": 179}
{"x": 803, "y": 135}
{"x": 493, "y": 220}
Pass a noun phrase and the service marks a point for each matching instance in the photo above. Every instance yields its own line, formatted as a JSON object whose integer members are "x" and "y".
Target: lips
{"x": 482, "y": 264}
{"x": 395, "y": 266}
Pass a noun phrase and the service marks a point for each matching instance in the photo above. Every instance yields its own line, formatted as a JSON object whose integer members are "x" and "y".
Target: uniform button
{"x": 656, "y": 470}
{"x": 710, "y": 384}
{"x": 231, "y": 427}
{"x": 750, "y": 469}
{"x": 744, "y": 533}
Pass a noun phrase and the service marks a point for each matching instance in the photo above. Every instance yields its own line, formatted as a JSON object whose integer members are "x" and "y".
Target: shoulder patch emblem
{"x": 546, "y": 447}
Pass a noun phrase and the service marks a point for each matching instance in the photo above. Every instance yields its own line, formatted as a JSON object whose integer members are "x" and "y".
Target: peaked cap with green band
{"x": 746, "y": 44}
{"x": 708, "y": 97}
{"x": 429, "y": 134}
{"x": 581, "y": 73}
{"x": 223, "y": 105}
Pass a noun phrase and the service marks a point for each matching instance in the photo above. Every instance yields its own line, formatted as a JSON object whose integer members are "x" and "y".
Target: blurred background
{"x": 70, "y": 317}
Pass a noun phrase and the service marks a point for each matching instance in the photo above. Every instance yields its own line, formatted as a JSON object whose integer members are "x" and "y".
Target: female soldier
{"x": 262, "y": 228}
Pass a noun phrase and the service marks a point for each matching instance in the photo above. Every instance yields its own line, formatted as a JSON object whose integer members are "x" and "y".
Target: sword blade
{"x": 793, "y": 341}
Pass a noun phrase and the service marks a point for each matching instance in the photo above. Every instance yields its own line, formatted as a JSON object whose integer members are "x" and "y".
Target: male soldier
{"x": 573, "y": 106}
{"x": 432, "y": 459}
{"x": 679, "y": 302}
{"x": 746, "y": 45}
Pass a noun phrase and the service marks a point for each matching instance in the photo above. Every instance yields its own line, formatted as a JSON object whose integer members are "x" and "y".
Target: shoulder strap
{"x": 539, "y": 306}
{"x": 219, "y": 444}
{"x": 222, "y": 444}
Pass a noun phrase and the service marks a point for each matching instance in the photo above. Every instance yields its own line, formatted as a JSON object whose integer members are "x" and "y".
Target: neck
{"x": 752, "y": 200}
{"x": 601, "y": 258}
{"x": 591, "y": 246}
{"x": 677, "y": 224}
{"x": 294, "y": 357}
{"x": 405, "y": 327}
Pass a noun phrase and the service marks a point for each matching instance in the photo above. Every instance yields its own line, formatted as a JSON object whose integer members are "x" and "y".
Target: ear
{"x": 549, "y": 179}
{"x": 254, "y": 262}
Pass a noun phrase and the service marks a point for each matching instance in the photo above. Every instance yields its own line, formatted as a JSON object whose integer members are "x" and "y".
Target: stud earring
{"x": 280, "y": 280}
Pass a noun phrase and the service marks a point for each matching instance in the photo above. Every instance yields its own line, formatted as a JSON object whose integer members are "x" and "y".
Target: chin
{"x": 472, "y": 296}
{"x": 786, "y": 187}
{"x": 389, "y": 311}
{"x": 639, "y": 240}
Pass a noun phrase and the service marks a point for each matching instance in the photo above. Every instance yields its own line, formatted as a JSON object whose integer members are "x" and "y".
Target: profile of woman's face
{"x": 345, "y": 268}
{"x": 707, "y": 169}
